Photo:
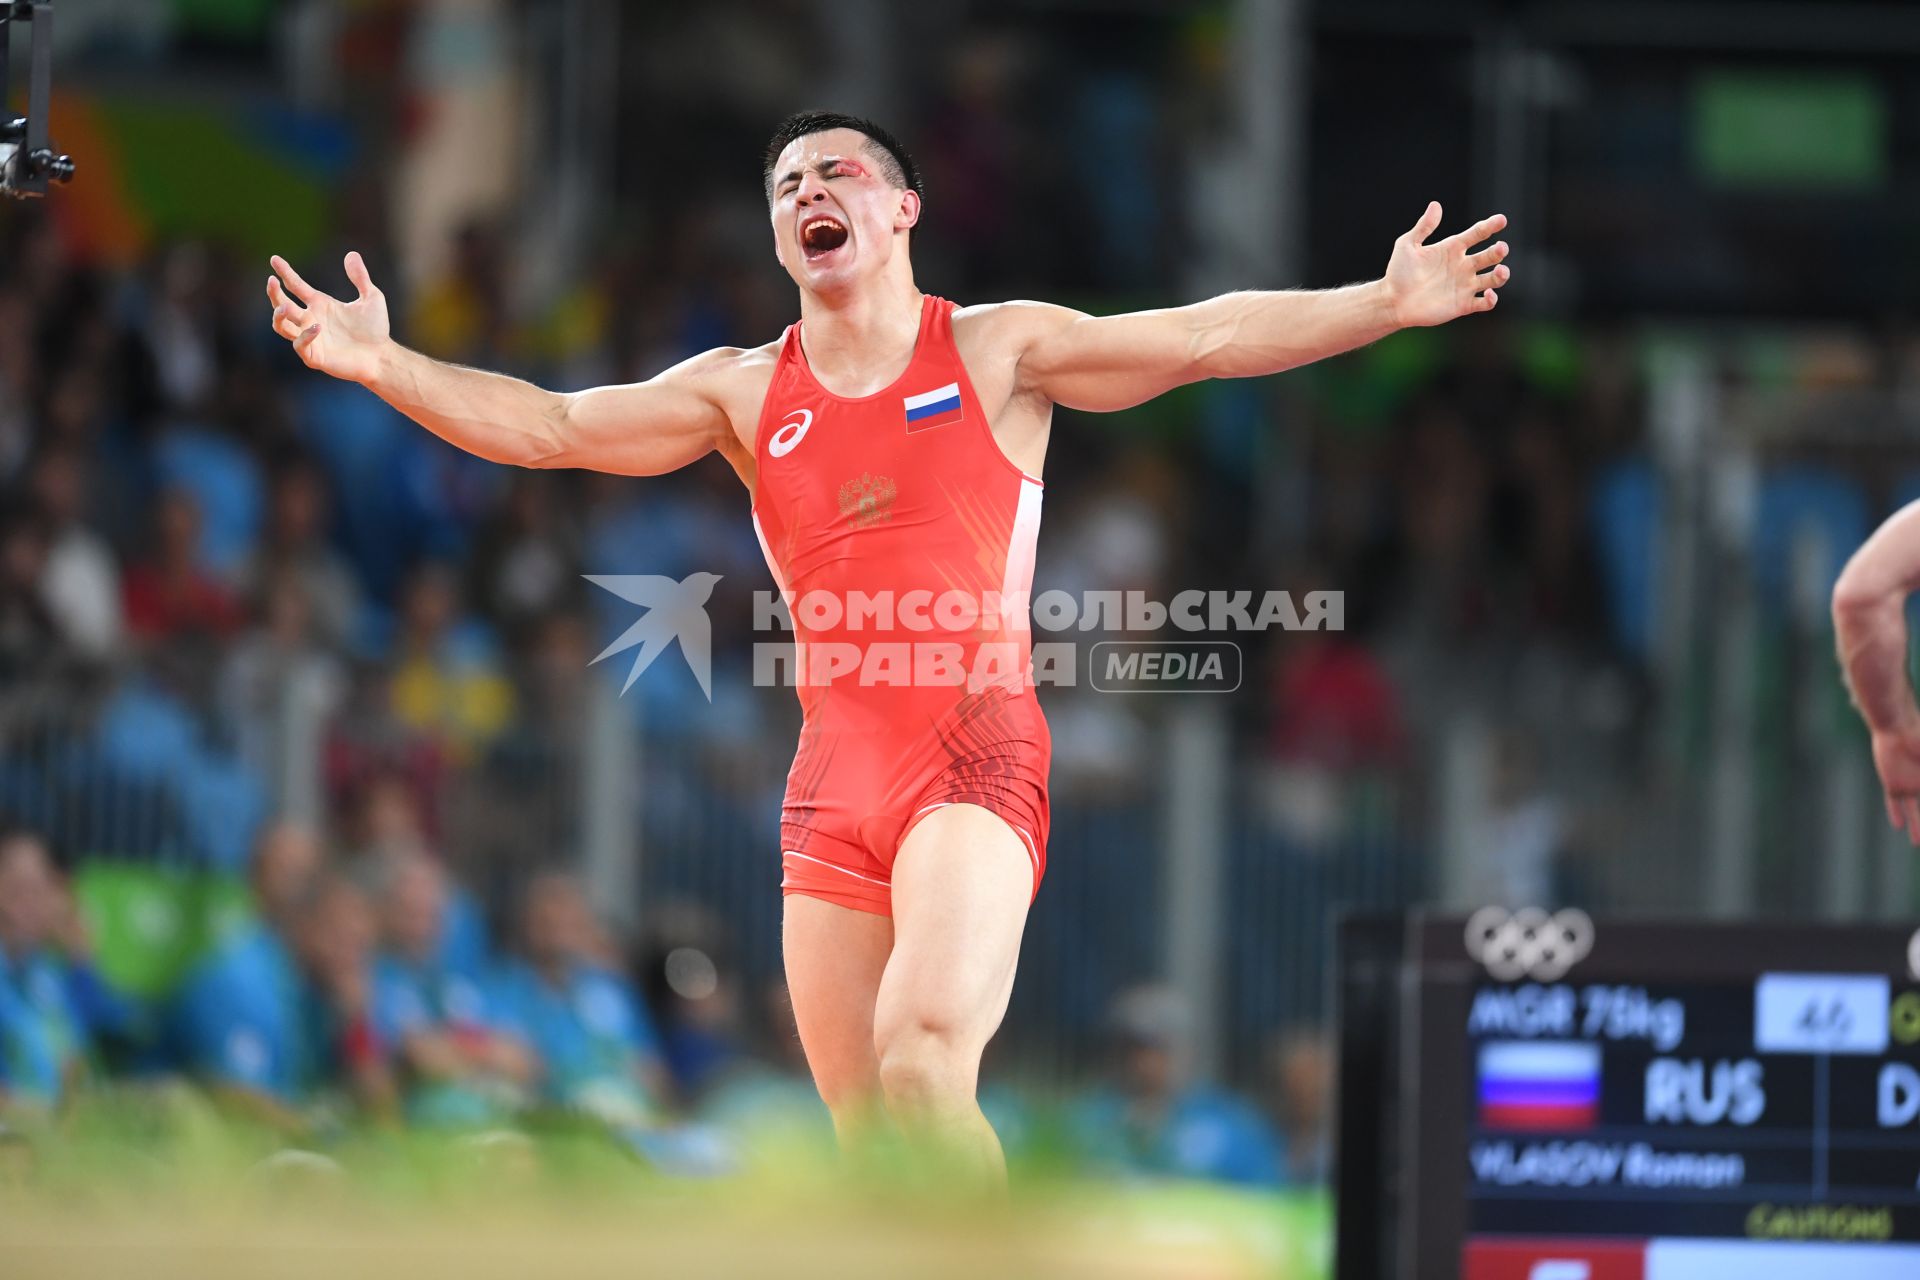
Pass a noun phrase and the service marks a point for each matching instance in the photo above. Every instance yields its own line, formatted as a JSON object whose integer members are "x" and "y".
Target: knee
{"x": 844, "y": 1096}
{"x": 926, "y": 1064}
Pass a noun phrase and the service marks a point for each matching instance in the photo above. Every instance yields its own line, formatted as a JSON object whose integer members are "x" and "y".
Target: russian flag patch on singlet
{"x": 939, "y": 407}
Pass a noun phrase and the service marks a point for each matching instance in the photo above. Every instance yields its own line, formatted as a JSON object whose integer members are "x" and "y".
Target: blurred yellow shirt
{"x": 465, "y": 707}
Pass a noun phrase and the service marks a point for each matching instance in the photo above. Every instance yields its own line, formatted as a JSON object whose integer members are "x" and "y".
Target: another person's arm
{"x": 1106, "y": 363}
{"x": 432, "y": 1050}
{"x": 1870, "y": 631}
{"x": 644, "y": 428}
{"x": 501, "y": 1049}
{"x": 434, "y": 1055}
{"x": 421, "y": 1049}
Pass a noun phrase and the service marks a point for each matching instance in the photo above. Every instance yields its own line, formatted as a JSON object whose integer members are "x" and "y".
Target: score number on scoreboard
{"x": 1822, "y": 1013}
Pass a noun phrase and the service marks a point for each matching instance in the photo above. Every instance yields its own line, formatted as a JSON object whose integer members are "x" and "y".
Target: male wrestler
{"x": 892, "y": 443}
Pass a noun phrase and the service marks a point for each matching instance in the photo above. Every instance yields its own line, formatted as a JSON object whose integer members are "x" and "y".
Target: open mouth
{"x": 820, "y": 235}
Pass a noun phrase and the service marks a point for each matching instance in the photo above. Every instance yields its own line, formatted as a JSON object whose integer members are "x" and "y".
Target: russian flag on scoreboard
{"x": 1539, "y": 1084}
{"x": 939, "y": 407}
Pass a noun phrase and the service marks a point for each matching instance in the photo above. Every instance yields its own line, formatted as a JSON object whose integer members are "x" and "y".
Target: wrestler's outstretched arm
{"x": 645, "y": 428}
{"x": 1870, "y": 630}
{"x": 1104, "y": 363}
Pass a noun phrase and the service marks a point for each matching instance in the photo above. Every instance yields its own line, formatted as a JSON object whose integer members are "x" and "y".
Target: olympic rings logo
{"x": 1529, "y": 943}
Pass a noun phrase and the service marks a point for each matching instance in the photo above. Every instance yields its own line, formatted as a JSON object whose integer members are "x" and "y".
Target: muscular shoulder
{"x": 1011, "y": 326}
{"x": 725, "y": 368}
{"x": 735, "y": 379}
{"x": 1005, "y": 335}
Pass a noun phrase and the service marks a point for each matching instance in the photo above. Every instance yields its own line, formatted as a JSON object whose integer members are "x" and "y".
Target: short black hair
{"x": 896, "y": 164}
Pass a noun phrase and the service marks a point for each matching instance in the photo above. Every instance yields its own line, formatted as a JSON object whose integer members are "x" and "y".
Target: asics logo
{"x": 790, "y": 433}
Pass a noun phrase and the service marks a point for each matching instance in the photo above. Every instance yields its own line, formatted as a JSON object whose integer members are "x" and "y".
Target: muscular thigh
{"x": 835, "y": 957}
{"x": 961, "y": 885}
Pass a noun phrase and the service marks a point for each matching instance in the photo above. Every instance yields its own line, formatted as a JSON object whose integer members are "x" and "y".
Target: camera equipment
{"x": 27, "y": 160}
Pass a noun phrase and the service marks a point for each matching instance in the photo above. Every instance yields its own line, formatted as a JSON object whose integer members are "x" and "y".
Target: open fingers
{"x": 1903, "y": 812}
{"x": 1486, "y": 301}
{"x": 303, "y": 341}
{"x": 289, "y": 317}
{"x": 1481, "y": 230}
{"x": 1492, "y": 279}
{"x": 1488, "y": 257}
{"x": 282, "y": 304}
{"x": 300, "y": 289}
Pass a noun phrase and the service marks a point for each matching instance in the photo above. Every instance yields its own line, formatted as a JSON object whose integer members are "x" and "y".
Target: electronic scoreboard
{"x": 1535, "y": 1098}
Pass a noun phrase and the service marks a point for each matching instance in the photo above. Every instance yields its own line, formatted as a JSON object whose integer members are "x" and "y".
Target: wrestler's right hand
{"x": 345, "y": 339}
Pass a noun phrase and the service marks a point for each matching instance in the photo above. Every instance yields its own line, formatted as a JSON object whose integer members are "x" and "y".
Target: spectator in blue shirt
{"x": 1152, "y": 1123}
{"x": 387, "y": 831}
{"x": 596, "y": 1044}
{"x": 236, "y": 1005}
{"x": 42, "y": 1045}
{"x": 280, "y": 1012}
{"x": 462, "y": 1061}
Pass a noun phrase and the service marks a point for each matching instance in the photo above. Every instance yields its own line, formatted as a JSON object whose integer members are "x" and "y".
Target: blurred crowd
{"x": 358, "y": 986}
{"x": 255, "y": 624}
